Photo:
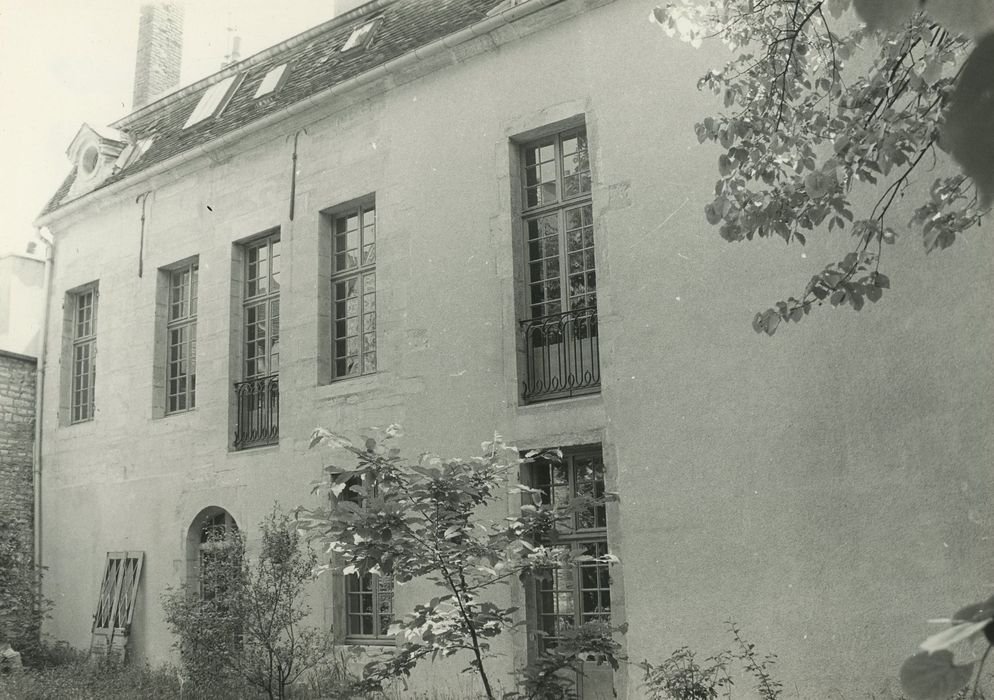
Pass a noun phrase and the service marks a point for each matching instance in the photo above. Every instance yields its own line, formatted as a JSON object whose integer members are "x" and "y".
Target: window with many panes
{"x": 218, "y": 555}
{"x": 368, "y": 597}
{"x": 558, "y": 224}
{"x": 181, "y": 339}
{"x": 261, "y": 308}
{"x": 566, "y": 599}
{"x": 353, "y": 292}
{"x": 257, "y": 395}
{"x": 561, "y": 354}
{"x": 84, "y": 349}
{"x": 368, "y": 608}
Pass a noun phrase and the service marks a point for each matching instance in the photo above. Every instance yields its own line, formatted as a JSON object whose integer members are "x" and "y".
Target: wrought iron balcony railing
{"x": 257, "y": 416}
{"x": 562, "y": 357}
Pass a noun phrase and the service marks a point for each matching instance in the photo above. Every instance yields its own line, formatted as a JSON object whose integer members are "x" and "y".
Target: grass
{"x": 80, "y": 680}
{"x": 63, "y": 673}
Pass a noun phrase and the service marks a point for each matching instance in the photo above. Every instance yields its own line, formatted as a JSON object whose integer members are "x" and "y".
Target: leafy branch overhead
{"x": 828, "y": 120}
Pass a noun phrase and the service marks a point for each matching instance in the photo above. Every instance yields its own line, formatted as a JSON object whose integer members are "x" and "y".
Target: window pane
{"x": 540, "y": 175}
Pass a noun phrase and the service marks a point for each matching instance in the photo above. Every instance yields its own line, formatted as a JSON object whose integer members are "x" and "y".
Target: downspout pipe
{"x": 39, "y": 399}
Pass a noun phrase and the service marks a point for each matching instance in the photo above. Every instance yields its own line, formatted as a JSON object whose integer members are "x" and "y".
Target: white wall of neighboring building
{"x": 21, "y": 302}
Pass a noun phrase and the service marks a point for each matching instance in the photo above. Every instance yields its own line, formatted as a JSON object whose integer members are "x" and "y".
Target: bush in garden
{"x": 244, "y": 625}
{"x": 22, "y": 607}
{"x": 681, "y": 677}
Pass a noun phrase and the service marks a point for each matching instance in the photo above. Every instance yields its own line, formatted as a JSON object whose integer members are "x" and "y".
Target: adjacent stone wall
{"x": 17, "y": 425}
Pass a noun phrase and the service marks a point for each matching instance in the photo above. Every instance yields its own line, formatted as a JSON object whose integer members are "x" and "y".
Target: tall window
{"x": 262, "y": 308}
{"x": 368, "y": 597}
{"x": 558, "y": 223}
{"x": 353, "y": 284}
{"x": 212, "y": 553}
{"x": 181, "y": 339}
{"x": 257, "y": 396}
{"x": 84, "y": 350}
{"x": 565, "y": 599}
{"x": 562, "y": 354}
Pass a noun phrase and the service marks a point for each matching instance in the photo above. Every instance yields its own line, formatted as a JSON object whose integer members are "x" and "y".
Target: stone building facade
{"x": 401, "y": 216}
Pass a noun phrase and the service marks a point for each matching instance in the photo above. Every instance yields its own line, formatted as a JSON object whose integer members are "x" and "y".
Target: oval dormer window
{"x": 88, "y": 161}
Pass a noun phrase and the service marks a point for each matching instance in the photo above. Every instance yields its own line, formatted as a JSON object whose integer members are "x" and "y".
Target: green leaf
{"x": 927, "y": 676}
{"x": 724, "y": 165}
{"x": 955, "y": 634}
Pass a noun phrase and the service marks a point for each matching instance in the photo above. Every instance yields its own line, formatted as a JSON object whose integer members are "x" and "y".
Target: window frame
{"x": 254, "y": 364}
{"x": 558, "y": 206}
{"x": 272, "y": 82}
{"x": 377, "y": 587}
{"x": 592, "y": 540}
{"x": 364, "y": 270}
{"x": 184, "y": 322}
{"x": 214, "y": 99}
{"x": 369, "y": 584}
{"x": 361, "y": 36}
{"x": 265, "y": 300}
{"x": 82, "y": 400}
{"x": 210, "y": 524}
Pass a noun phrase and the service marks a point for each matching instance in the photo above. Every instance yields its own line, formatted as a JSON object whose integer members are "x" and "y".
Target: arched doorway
{"x": 208, "y": 535}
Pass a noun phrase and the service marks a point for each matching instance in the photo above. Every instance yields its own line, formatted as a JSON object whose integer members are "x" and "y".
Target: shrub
{"x": 22, "y": 607}
{"x": 680, "y": 677}
{"x": 244, "y": 624}
{"x": 81, "y": 680}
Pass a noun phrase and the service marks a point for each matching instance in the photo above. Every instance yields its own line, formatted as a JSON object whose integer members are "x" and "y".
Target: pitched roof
{"x": 316, "y": 63}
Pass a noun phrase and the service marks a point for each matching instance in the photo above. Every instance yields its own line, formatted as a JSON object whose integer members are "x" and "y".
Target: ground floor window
{"x": 567, "y": 599}
{"x": 369, "y": 608}
{"x": 212, "y": 550}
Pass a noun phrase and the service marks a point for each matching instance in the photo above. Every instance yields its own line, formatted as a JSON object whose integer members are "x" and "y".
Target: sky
{"x": 65, "y": 62}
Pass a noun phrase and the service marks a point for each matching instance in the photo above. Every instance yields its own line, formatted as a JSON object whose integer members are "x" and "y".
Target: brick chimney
{"x": 160, "y": 51}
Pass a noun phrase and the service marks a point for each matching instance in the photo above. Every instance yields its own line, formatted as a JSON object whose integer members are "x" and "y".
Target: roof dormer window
{"x": 361, "y": 36}
{"x": 272, "y": 81}
{"x": 214, "y": 100}
{"x": 88, "y": 161}
{"x": 93, "y": 152}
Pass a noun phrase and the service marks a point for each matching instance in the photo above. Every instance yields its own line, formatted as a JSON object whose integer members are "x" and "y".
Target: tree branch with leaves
{"x": 822, "y": 112}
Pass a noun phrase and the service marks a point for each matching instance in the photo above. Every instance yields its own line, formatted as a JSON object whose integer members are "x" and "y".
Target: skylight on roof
{"x": 214, "y": 100}
{"x": 361, "y": 36}
{"x": 271, "y": 82}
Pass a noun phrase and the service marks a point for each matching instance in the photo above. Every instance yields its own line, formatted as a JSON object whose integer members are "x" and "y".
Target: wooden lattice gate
{"x": 116, "y": 605}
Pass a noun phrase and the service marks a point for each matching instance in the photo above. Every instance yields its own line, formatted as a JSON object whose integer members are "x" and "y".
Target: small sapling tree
{"x": 427, "y": 520}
